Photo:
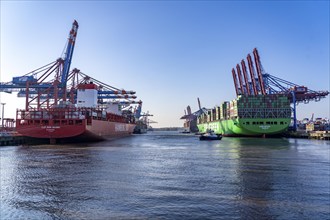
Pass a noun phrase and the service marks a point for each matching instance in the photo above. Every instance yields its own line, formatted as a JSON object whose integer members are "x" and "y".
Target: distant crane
{"x": 191, "y": 118}
{"x": 266, "y": 84}
{"x": 145, "y": 119}
{"x": 149, "y": 121}
{"x": 312, "y": 119}
{"x": 143, "y": 123}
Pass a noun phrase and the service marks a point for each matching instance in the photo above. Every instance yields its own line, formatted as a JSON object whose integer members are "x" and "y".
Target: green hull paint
{"x": 247, "y": 126}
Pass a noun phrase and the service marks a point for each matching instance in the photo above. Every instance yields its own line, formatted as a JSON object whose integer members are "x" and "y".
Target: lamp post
{"x": 3, "y": 111}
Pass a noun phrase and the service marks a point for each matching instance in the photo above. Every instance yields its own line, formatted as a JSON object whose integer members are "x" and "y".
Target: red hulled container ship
{"x": 64, "y": 105}
{"x": 85, "y": 121}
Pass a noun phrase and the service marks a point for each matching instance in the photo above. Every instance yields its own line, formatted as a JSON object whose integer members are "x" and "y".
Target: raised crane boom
{"x": 69, "y": 53}
{"x": 54, "y": 83}
{"x": 266, "y": 84}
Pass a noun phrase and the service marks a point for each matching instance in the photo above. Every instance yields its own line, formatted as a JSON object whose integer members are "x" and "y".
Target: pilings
{"x": 10, "y": 139}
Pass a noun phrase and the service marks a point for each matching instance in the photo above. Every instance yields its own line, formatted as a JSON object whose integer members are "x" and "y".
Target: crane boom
{"x": 253, "y": 78}
{"x": 69, "y": 53}
{"x": 258, "y": 66}
{"x": 240, "y": 78}
{"x": 266, "y": 84}
{"x": 235, "y": 82}
{"x": 247, "y": 84}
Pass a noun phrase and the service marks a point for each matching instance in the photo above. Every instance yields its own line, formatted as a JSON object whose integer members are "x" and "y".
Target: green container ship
{"x": 248, "y": 115}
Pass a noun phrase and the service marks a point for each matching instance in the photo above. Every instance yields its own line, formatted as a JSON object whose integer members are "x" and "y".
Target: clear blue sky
{"x": 170, "y": 52}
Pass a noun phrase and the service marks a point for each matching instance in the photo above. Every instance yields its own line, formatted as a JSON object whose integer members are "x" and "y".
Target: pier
{"x": 319, "y": 135}
{"x": 11, "y": 138}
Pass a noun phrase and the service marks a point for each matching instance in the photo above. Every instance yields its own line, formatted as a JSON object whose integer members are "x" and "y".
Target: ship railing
{"x": 253, "y": 113}
{"x": 45, "y": 117}
{"x": 55, "y": 122}
{"x": 51, "y": 114}
{"x": 264, "y": 113}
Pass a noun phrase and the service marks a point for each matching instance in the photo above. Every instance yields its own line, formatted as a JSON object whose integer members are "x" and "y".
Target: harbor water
{"x": 167, "y": 175}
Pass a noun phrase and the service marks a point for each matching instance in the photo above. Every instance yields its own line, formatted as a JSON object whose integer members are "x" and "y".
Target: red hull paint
{"x": 97, "y": 130}
{"x": 50, "y": 131}
{"x": 108, "y": 129}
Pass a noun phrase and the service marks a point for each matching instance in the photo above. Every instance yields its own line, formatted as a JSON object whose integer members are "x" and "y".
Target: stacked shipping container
{"x": 244, "y": 106}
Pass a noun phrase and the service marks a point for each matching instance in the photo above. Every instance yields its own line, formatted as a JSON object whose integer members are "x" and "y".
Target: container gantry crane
{"x": 144, "y": 118}
{"x": 266, "y": 84}
{"x": 54, "y": 83}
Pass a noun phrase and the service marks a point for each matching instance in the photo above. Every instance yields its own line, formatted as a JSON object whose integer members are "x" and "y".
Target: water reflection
{"x": 272, "y": 176}
{"x": 255, "y": 175}
{"x": 45, "y": 178}
{"x": 167, "y": 176}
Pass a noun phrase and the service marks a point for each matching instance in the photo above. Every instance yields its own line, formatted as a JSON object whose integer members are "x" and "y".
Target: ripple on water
{"x": 167, "y": 176}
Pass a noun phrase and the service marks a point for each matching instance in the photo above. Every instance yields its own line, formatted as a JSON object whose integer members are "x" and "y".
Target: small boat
{"x": 209, "y": 136}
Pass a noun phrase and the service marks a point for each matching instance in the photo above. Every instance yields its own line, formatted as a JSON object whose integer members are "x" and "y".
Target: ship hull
{"x": 140, "y": 128}
{"x": 50, "y": 131}
{"x": 81, "y": 131}
{"x": 247, "y": 127}
{"x": 108, "y": 129}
